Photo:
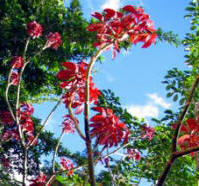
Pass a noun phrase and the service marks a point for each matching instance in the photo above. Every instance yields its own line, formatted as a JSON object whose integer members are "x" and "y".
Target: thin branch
{"x": 50, "y": 180}
{"x": 116, "y": 150}
{"x": 6, "y": 95}
{"x": 76, "y": 122}
{"x": 56, "y": 150}
{"x": 187, "y": 151}
{"x": 166, "y": 171}
{"x": 17, "y": 104}
{"x": 53, "y": 176}
{"x": 181, "y": 117}
{"x": 45, "y": 123}
{"x": 26, "y": 47}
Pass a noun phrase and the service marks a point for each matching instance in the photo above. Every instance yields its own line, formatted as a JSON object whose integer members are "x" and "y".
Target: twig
{"x": 75, "y": 122}
{"x": 17, "y": 104}
{"x": 56, "y": 150}
{"x": 53, "y": 176}
{"x": 45, "y": 123}
{"x": 6, "y": 95}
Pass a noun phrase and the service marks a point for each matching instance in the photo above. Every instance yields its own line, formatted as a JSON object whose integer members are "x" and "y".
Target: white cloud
{"x": 113, "y": 4}
{"x": 143, "y": 111}
{"x": 159, "y": 100}
{"x": 151, "y": 108}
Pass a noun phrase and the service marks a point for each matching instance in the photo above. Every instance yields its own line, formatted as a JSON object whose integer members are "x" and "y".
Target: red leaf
{"x": 130, "y": 8}
{"x": 109, "y": 13}
{"x": 192, "y": 124}
{"x": 70, "y": 65}
{"x": 97, "y": 15}
{"x": 79, "y": 109}
{"x": 149, "y": 40}
{"x": 96, "y": 27}
{"x": 183, "y": 139}
{"x": 97, "y": 118}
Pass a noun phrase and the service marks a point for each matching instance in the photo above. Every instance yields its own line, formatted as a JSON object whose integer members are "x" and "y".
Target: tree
{"x": 42, "y": 70}
{"x": 77, "y": 82}
{"x": 111, "y": 126}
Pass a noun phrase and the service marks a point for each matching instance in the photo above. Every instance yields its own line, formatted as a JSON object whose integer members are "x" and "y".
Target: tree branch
{"x": 181, "y": 117}
{"x": 86, "y": 114}
{"x": 56, "y": 150}
{"x": 176, "y": 154}
{"x": 75, "y": 121}
{"x": 45, "y": 123}
{"x": 6, "y": 95}
{"x": 25, "y": 171}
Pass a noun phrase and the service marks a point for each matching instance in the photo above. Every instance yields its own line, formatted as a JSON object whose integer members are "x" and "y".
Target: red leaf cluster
{"x": 34, "y": 29}
{"x": 24, "y": 113}
{"x": 39, "y": 180}
{"x": 10, "y": 134}
{"x": 14, "y": 79}
{"x": 190, "y": 137}
{"x": 133, "y": 154}
{"x": 68, "y": 125}
{"x": 6, "y": 118}
{"x": 25, "y": 121}
{"x": 73, "y": 80}
{"x": 113, "y": 26}
{"x": 107, "y": 127}
{"x": 17, "y": 63}
{"x": 67, "y": 165}
{"x": 147, "y": 132}
{"x": 54, "y": 40}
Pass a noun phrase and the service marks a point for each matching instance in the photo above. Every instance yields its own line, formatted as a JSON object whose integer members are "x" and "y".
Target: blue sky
{"x": 135, "y": 76}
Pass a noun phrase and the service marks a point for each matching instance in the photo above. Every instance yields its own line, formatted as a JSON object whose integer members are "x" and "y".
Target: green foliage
{"x": 168, "y": 37}
{"x": 39, "y": 77}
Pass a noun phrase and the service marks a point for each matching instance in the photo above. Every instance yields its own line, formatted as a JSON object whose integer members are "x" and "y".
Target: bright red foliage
{"x": 11, "y": 134}
{"x": 6, "y": 118}
{"x": 39, "y": 181}
{"x": 67, "y": 165}
{"x": 114, "y": 26}
{"x": 147, "y": 132}
{"x": 68, "y": 125}
{"x": 54, "y": 40}
{"x": 17, "y": 62}
{"x": 14, "y": 78}
{"x": 190, "y": 137}
{"x": 133, "y": 154}
{"x": 107, "y": 127}
{"x": 24, "y": 112}
{"x": 34, "y": 29}
{"x": 74, "y": 79}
